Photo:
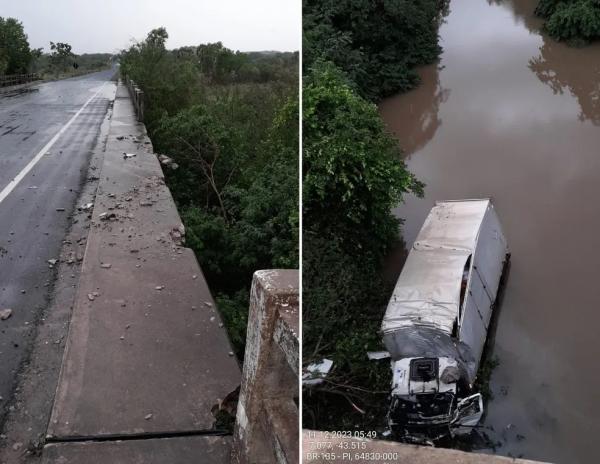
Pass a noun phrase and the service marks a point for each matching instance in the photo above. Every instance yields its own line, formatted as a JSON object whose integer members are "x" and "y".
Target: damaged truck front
{"x": 437, "y": 320}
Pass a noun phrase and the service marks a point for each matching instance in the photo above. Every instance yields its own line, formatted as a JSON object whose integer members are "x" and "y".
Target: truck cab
{"x": 424, "y": 399}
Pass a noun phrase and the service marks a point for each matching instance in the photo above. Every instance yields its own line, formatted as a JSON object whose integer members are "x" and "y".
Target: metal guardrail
{"x": 266, "y": 429}
{"x": 17, "y": 79}
{"x": 137, "y": 96}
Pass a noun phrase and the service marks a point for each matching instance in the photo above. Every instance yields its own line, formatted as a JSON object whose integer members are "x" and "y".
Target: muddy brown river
{"x": 510, "y": 114}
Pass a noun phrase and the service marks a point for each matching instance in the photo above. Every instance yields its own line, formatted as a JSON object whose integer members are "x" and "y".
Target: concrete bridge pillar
{"x": 266, "y": 428}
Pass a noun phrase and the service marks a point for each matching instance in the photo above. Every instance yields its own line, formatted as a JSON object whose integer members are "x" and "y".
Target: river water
{"x": 510, "y": 114}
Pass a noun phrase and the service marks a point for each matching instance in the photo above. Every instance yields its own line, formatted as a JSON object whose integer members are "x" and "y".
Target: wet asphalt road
{"x": 32, "y": 221}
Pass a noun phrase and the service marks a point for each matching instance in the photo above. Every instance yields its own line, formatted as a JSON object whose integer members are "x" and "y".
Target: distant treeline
{"x": 230, "y": 122}
{"x": 575, "y": 21}
{"x": 83, "y": 62}
{"x": 355, "y": 53}
{"x": 16, "y": 56}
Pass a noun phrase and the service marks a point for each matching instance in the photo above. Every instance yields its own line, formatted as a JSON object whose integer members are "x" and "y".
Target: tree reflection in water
{"x": 564, "y": 71}
{"x": 561, "y": 67}
{"x": 413, "y": 117}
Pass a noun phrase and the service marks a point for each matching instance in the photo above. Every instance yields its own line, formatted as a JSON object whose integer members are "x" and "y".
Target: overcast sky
{"x": 110, "y": 25}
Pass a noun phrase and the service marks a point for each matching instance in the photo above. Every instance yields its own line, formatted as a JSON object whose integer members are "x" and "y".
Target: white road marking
{"x": 19, "y": 177}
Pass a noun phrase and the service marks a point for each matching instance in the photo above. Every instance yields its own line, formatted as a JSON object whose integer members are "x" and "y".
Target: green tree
{"x": 353, "y": 177}
{"x": 170, "y": 82}
{"x": 575, "y": 21}
{"x": 353, "y": 172}
{"x": 377, "y": 43}
{"x": 157, "y": 37}
{"x": 15, "y": 55}
{"x": 61, "y": 56}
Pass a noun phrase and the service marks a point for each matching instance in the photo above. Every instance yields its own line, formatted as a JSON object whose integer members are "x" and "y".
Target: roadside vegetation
{"x": 229, "y": 120}
{"x": 574, "y": 21}
{"x": 17, "y": 57}
{"x": 356, "y": 52}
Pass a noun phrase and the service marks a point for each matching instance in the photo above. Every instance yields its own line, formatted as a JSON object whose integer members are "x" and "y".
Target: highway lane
{"x": 38, "y": 193}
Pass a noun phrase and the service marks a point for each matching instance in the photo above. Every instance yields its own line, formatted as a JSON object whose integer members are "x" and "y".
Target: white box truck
{"x": 437, "y": 320}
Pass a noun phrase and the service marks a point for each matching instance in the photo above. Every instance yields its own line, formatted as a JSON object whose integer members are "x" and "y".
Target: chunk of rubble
{"x": 178, "y": 234}
{"x": 167, "y": 161}
{"x": 105, "y": 265}
{"x": 52, "y": 262}
{"x": 86, "y": 207}
{"x": 5, "y": 314}
{"x": 164, "y": 160}
{"x": 129, "y": 155}
{"x": 106, "y": 216}
{"x": 315, "y": 373}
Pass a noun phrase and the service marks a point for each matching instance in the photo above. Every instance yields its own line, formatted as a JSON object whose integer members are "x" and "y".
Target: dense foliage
{"x": 571, "y": 20}
{"x": 377, "y": 43}
{"x": 354, "y": 176}
{"x": 15, "y": 55}
{"x": 355, "y": 51}
{"x": 230, "y": 121}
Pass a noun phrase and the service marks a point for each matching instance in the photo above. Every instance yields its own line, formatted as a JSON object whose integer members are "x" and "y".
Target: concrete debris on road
{"x": 105, "y": 265}
{"x": 107, "y": 216}
{"x": 5, "y": 314}
{"x": 159, "y": 287}
{"x": 60, "y": 210}
{"x": 178, "y": 234}
{"x": 86, "y": 207}
{"x": 167, "y": 161}
{"x": 52, "y": 262}
{"x": 148, "y": 417}
{"x": 128, "y": 155}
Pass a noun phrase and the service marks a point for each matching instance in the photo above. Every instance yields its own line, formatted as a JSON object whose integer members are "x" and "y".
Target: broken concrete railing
{"x": 137, "y": 97}
{"x": 266, "y": 428}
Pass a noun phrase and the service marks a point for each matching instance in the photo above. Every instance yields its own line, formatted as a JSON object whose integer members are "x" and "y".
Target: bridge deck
{"x": 146, "y": 351}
